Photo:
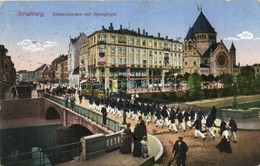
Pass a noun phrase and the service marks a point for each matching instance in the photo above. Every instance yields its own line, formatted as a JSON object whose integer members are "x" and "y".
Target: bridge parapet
{"x": 99, "y": 144}
{"x": 84, "y": 113}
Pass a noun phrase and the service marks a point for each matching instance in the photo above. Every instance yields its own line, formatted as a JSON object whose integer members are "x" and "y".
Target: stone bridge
{"x": 79, "y": 122}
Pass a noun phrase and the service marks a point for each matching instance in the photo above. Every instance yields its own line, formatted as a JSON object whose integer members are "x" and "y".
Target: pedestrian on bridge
{"x": 104, "y": 114}
{"x": 140, "y": 131}
{"x": 127, "y": 140}
{"x": 66, "y": 98}
{"x": 72, "y": 101}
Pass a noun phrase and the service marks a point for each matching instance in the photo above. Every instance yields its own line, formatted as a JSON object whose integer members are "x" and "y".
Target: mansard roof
{"x": 211, "y": 48}
{"x": 74, "y": 40}
{"x": 202, "y": 25}
{"x": 138, "y": 33}
{"x": 190, "y": 34}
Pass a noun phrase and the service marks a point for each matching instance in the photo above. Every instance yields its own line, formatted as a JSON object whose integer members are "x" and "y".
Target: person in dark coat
{"x": 192, "y": 116}
{"x": 172, "y": 121}
{"x": 104, "y": 114}
{"x": 209, "y": 124}
{"x": 164, "y": 114}
{"x": 139, "y": 132}
{"x": 80, "y": 97}
{"x": 198, "y": 128}
{"x": 233, "y": 129}
{"x": 224, "y": 144}
{"x": 214, "y": 111}
{"x": 127, "y": 140}
{"x": 180, "y": 121}
{"x": 223, "y": 125}
{"x": 186, "y": 118}
{"x": 14, "y": 92}
{"x": 200, "y": 114}
{"x": 179, "y": 150}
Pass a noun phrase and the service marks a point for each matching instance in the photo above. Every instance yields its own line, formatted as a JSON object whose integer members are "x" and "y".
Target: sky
{"x": 34, "y": 33}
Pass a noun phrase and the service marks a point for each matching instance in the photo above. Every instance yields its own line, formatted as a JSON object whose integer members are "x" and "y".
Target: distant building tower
{"x": 203, "y": 55}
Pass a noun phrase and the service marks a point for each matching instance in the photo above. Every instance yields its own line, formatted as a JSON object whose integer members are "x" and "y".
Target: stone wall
{"x": 226, "y": 101}
{"x": 24, "y": 108}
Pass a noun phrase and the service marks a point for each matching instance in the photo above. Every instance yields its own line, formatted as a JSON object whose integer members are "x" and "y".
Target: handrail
{"x": 92, "y": 115}
{"x": 48, "y": 156}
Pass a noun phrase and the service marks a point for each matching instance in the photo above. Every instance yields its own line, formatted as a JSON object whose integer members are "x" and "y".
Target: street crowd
{"x": 176, "y": 118}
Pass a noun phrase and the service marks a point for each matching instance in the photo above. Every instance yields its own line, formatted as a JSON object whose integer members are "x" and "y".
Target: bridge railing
{"x": 92, "y": 115}
{"x": 44, "y": 157}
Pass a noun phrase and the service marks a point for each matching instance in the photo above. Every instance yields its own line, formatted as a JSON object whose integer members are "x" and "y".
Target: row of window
{"x": 122, "y": 50}
{"x": 134, "y": 41}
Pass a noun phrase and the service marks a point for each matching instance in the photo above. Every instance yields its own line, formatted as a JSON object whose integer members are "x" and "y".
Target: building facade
{"x": 203, "y": 54}
{"x": 83, "y": 70}
{"x": 62, "y": 72}
{"x": 126, "y": 58}
{"x": 7, "y": 72}
{"x": 26, "y": 76}
{"x": 73, "y": 57}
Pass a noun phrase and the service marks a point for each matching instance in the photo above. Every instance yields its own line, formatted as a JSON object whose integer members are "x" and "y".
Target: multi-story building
{"x": 202, "y": 54}
{"x": 83, "y": 70}
{"x": 132, "y": 59}
{"x": 7, "y": 72}
{"x": 26, "y": 76}
{"x": 73, "y": 58}
{"x": 62, "y": 72}
{"x": 45, "y": 74}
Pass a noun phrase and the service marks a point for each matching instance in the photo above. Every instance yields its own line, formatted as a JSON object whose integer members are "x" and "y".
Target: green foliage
{"x": 194, "y": 82}
{"x": 246, "y": 84}
{"x": 226, "y": 80}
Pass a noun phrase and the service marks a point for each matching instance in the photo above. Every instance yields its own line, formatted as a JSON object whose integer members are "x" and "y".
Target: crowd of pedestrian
{"x": 175, "y": 118}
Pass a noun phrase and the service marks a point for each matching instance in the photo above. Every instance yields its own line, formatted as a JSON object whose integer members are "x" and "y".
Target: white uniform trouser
{"x": 186, "y": 124}
{"x": 198, "y": 132}
{"x": 233, "y": 133}
{"x": 173, "y": 126}
{"x": 210, "y": 130}
{"x": 182, "y": 125}
{"x": 157, "y": 122}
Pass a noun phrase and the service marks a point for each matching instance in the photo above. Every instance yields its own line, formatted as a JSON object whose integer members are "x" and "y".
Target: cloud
{"x": 242, "y": 36}
{"x": 49, "y": 44}
{"x": 257, "y": 38}
{"x": 33, "y": 46}
{"x": 231, "y": 38}
{"x": 245, "y": 35}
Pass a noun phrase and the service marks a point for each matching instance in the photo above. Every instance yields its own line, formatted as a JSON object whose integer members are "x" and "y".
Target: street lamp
{"x": 175, "y": 79}
{"x": 235, "y": 92}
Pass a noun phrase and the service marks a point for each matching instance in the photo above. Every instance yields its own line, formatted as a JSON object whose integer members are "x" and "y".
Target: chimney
{"x": 111, "y": 26}
{"x": 138, "y": 30}
{"x": 166, "y": 37}
{"x": 120, "y": 27}
{"x": 159, "y": 35}
{"x": 146, "y": 33}
{"x": 143, "y": 32}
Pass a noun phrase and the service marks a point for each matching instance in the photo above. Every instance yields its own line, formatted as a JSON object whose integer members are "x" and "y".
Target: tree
{"x": 246, "y": 83}
{"x": 226, "y": 80}
{"x": 194, "y": 82}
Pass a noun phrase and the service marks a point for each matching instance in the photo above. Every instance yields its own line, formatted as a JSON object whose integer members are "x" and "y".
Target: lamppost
{"x": 175, "y": 79}
{"x": 235, "y": 92}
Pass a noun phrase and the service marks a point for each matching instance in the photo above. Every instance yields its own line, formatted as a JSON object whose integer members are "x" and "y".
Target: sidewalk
{"x": 115, "y": 158}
